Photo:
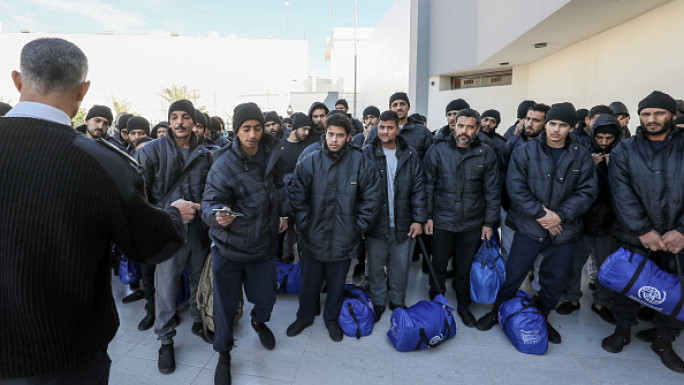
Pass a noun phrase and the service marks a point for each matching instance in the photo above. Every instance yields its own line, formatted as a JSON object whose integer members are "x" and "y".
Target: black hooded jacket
{"x": 568, "y": 188}
{"x": 334, "y": 200}
{"x": 647, "y": 186}
{"x": 463, "y": 191}
{"x": 409, "y": 192}
{"x": 238, "y": 182}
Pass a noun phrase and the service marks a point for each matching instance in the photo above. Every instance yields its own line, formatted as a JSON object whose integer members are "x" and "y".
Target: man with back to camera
{"x": 58, "y": 332}
{"x": 647, "y": 184}
{"x": 552, "y": 183}
{"x": 463, "y": 201}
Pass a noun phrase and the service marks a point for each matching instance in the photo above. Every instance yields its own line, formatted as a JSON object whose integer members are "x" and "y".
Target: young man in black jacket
{"x": 551, "y": 183}
{"x": 596, "y": 242}
{"x": 647, "y": 183}
{"x": 463, "y": 201}
{"x": 335, "y": 198}
{"x": 246, "y": 179}
{"x": 390, "y": 242}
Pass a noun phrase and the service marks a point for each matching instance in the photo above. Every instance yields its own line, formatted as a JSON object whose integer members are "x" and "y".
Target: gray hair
{"x": 52, "y": 64}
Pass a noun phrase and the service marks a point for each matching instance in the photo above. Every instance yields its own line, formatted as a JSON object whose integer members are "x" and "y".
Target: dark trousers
{"x": 147, "y": 272}
{"x": 552, "y": 273}
{"x": 259, "y": 279}
{"x": 92, "y": 372}
{"x": 625, "y": 310}
{"x": 464, "y": 246}
{"x": 313, "y": 273}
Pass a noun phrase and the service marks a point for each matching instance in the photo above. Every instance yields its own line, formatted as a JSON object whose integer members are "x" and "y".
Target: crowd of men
{"x": 561, "y": 187}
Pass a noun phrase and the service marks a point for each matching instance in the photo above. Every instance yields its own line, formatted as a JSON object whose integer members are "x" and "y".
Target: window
{"x": 488, "y": 79}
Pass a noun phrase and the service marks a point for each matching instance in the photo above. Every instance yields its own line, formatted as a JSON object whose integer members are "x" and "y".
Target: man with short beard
{"x": 517, "y": 127}
{"x": 294, "y": 144}
{"x": 98, "y": 120}
{"x": 490, "y": 122}
{"x": 647, "y": 187}
{"x": 463, "y": 200}
{"x": 273, "y": 124}
{"x": 371, "y": 116}
{"x": 317, "y": 113}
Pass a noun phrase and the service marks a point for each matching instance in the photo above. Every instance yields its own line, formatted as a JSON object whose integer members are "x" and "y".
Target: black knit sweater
{"x": 63, "y": 199}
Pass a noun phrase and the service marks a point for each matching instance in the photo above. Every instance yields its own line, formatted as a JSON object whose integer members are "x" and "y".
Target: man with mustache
{"x": 463, "y": 200}
{"x": 647, "y": 185}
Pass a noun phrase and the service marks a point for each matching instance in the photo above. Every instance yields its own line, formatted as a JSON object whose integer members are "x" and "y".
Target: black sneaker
{"x": 265, "y": 335}
{"x": 616, "y": 341}
{"x": 647, "y": 335}
{"x": 146, "y": 322}
{"x": 334, "y": 331}
{"x": 197, "y": 329}
{"x": 487, "y": 321}
{"x": 466, "y": 316}
{"x": 222, "y": 372}
{"x": 554, "y": 336}
{"x": 646, "y": 314}
{"x": 297, "y": 327}
{"x": 134, "y": 296}
{"x": 567, "y": 307}
{"x": 604, "y": 313}
{"x": 667, "y": 355}
{"x": 378, "y": 310}
{"x": 167, "y": 359}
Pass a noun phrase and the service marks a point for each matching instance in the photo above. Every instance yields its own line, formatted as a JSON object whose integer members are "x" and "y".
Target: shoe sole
{"x": 672, "y": 368}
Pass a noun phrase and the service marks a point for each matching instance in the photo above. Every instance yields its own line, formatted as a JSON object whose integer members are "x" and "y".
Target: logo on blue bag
{"x": 652, "y": 295}
{"x": 436, "y": 339}
{"x": 530, "y": 337}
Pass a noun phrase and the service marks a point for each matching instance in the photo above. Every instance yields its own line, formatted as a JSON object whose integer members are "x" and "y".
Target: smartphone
{"x": 237, "y": 214}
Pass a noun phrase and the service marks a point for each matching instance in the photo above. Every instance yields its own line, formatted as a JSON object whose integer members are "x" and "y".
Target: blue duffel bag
{"x": 524, "y": 324}
{"x": 129, "y": 272}
{"x": 641, "y": 280}
{"x": 487, "y": 273}
{"x": 356, "y": 314}
{"x": 423, "y": 325}
{"x": 289, "y": 277}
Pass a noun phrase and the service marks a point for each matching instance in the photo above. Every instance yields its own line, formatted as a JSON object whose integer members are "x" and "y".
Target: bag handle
{"x": 283, "y": 285}
{"x": 428, "y": 261}
{"x": 636, "y": 275}
{"x": 426, "y": 341}
{"x": 358, "y": 325}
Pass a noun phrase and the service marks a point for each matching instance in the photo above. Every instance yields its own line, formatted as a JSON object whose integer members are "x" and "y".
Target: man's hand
{"x": 597, "y": 158}
{"x": 428, "y": 227}
{"x": 652, "y": 241}
{"x": 519, "y": 127}
{"x": 607, "y": 158}
{"x": 550, "y": 220}
{"x": 674, "y": 240}
{"x": 415, "y": 230}
{"x": 487, "y": 233}
{"x": 555, "y": 230}
{"x": 283, "y": 225}
{"x": 224, "y": 219}
{"x": 187, "y": 209}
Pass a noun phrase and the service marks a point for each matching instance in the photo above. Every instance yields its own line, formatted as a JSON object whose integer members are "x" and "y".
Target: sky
{"x": 309, "y": 19}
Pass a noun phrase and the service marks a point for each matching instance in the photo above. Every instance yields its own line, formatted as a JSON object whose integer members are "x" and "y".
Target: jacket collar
{"x": 377, "y": 145}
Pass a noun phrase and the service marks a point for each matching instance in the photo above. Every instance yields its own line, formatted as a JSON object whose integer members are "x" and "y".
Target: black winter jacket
{"x": 647, "y": 186}
{"x": 409, "y": 192}
{"x": 415, "y": 134}
{"x": 463, "y": 191}
{"x": 568, "y": 189}
{"x": 238, "y": 182}
{"x": 334, "y": 200}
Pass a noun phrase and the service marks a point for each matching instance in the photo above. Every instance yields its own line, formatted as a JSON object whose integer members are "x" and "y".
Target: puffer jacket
{"x": 409, "y": 192}
{"x": 647, "y": 186}
{"x": 599, "y": 219}
{"x": 236, "y": 181}
{"x": 415, "y": 134}
{"x": 463, "y": 191}
{"x": 568, "y": 189}
{"x": 334, "y": 200}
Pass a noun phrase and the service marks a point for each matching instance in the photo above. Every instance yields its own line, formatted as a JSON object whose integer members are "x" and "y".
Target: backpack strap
{"x": 636, "y": 275}
{"x": 358, "y": 325}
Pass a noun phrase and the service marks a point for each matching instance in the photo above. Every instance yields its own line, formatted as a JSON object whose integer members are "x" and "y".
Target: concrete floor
{"x": 471, "y": 357}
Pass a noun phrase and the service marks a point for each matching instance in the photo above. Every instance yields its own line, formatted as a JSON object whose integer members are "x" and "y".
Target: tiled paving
{"x": 471, "y": 357}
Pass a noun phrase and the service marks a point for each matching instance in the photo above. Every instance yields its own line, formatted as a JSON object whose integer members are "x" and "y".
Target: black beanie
{"x": 139, "y": 123}
{"x": 244, "y": 112}
{"x": 372, "y": 111}
{"x": 492, "y": 114}
{"x": 399, "y": 96}
{"x": 183, "y": 105}
{"x": 582, "y": 114}
{"x": 343, "y": 102}
{"x": 318, "y": 106}
{"x": 658, "y": 99}
{"x": 301, "y": 120}
{"x": 565, "y": 112}
{"x": 272, "y": 116}
{"x": 214, "y": 124}
{"x": 523, "y": 107}
{"x": 288, "y": 120}
{"x": 333, "y": 112}
{"x": 618, "y": 108}
{"x": 100, "y": 111}
{"x": 200, "y": 118}
{"x": 123, "y": 121}
{"x": 457, "y": 105}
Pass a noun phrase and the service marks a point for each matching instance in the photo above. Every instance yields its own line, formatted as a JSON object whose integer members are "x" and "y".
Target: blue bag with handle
{"x": 129, "y": 272}
{"x": 289, "y": 277}
{"x": 524, "y": 324}
{"x": 487, "y": 273}
{"x": 641, "y": 280}
{"x": 357, "y": 316}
